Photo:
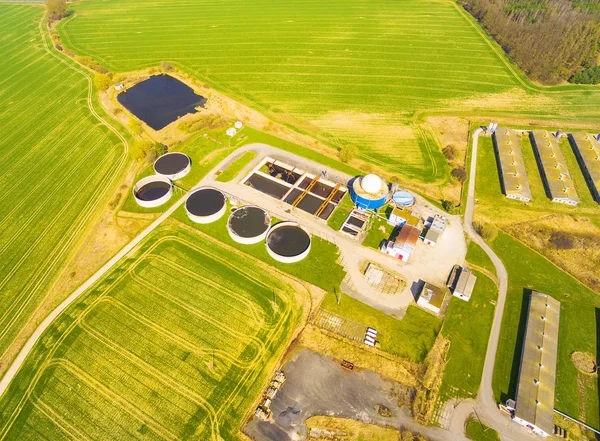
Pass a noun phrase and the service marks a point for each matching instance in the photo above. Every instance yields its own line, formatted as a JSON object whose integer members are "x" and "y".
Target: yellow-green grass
{"x": 578, "y": 329}
{"x": 320, "y": 267}
{"x": 410, "y": 338}
{"x": 236, "y": 167}
{"x": 355, "y": 72}
{"x": 467, "y": 325}
{"x": 379, "y": 230}
{"x": 478, "y": 432}
{"x": 58, "y": 166}
{"x": 339, "y": 216}
{"x": 174, "y": 343}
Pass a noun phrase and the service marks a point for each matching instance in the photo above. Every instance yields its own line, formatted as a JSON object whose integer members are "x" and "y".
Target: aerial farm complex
{"x": 292, "y": 221}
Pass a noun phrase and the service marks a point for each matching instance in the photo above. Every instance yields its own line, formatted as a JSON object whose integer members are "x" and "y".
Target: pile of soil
{"x": 584, "y": 362}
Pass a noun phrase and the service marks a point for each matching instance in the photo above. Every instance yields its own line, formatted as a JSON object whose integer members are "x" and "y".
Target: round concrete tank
{"x": 174, "y": 165}
{"x": 152, "y": 191}
{"x": 205, "y": 205}
{"x": 248, "y": 224}
{"x": 288, "y": 242}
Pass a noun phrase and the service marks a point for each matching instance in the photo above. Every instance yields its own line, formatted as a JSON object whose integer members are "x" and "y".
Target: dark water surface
{"x": 288, "y": 241}
{"x": 153, "y": 191}
{"x": 160, "y": 100}
{"x": 205, "y": 202}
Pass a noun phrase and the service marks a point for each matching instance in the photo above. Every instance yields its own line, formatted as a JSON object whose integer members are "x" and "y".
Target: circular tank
{"x": 248, "y": 225}
{"x": 174, "y": 165}
{"x": 288, "y": 242}
{"x": 369, "y": 192}
{"x": 152, "y": 191}
{"x": 205, "y": 205}
{"x": 403, "y": 198}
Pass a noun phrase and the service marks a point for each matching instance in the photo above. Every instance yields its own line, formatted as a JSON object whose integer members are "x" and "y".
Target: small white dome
{"x": 371, "y": 183}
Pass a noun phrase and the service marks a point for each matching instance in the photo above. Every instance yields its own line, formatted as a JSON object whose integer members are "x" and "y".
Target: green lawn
{"x": 339, "y": 216}
{"x": 410, "y": 338}
{"x": 528, "y": 270}
{"x": 58, "y": 169}
{"x": 236, "y": 167}
{"x": 467, "y": 325}
{"x": 477, "y": 432}
{"x": 320, "y": 267}
{"x": 379, "y": 230}
{"x": 476, "y": 256}
{"x": 176, "y": 342}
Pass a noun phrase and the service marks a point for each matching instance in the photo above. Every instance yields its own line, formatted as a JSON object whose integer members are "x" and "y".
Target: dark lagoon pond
{"x": 160, "y": 100}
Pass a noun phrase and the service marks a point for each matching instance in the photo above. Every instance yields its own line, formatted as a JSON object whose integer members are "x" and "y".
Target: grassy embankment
{"x": 59, "y": 167}
{"x": 175, "y": 342}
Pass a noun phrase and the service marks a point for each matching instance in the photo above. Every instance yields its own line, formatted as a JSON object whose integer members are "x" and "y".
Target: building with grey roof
{"x": 534, "y": 404}
{"x": 587, "y": 151}
{"x": 553, "y": 168}
{"x": 464, "y": 284}
{"x": 513, "y": 175}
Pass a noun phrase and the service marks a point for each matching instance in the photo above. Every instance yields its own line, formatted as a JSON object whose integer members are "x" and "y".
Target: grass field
{"x": 467, "y": 326}
{"x": 476, "y": 432}
{"x": 411, "y": 338}
{"x": 236, "y": 167}
{"x": 320, "y": 267}
{"x": 357, "y": 72}
{"x": 174, "y": 343}
{"x": 528, "y": 270}
{"x": 58, "y": 164}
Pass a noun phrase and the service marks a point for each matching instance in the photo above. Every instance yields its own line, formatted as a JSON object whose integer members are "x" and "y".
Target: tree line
{"x": 550, "y": 40}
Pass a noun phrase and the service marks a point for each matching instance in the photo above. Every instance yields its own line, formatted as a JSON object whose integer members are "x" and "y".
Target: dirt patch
{"x": 584, "y": 362}
{"x": 322, "y": 428}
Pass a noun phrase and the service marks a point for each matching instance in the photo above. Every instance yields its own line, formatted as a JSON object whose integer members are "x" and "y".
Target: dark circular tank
{"x": 152, "y": 191}
{"x": 173, "y": 164}
{"x": 205, "y": 202}
{"x": 249, "y": 222}
{"x": 288, "y": 240}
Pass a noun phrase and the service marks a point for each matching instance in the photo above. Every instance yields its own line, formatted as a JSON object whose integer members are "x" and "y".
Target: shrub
{"x": 449, "y": 152}
{"x": 348, "y": 153}
{"x": 57, "y": 9}
{"x": 460, "y": 174}
{"x": 449, "y": 206}
{"x": 102, "y": 81}
{"x": 203, "y": 121}
{"x": 588, "y": 76}
{"x": 488, "y": 231}
{"x": 140, "y": 149}
{"x": 166, "y": 66}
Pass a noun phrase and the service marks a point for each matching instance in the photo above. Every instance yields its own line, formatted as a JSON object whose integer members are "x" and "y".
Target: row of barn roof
{"x": 555, "y": 174}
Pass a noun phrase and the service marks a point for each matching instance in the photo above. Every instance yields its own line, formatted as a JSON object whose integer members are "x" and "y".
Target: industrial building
{"x": 403, "y": 246}
{"x": 534, "y": 404}
{"x": 431, "y": 297}
{"x": 369, "y": 192}
{"x": 462, "y": 283}
{"x": 553, "y": 168}
{"x": 434, "y": 230}
{"x": 513, "y": 176}
{"x": 587, "y": 151}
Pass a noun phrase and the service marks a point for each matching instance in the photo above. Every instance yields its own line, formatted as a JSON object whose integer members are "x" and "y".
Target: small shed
{"x": 401, "y": 216}
{"x": 431, "y": 298}
{"x": 464, "y": 284}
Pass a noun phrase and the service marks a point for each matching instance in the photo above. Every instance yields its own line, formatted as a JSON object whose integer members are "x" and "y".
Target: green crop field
{"x": 355, "y": 72}
{"x": 57, "y": 163}
{"x": 174, "y": 343}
